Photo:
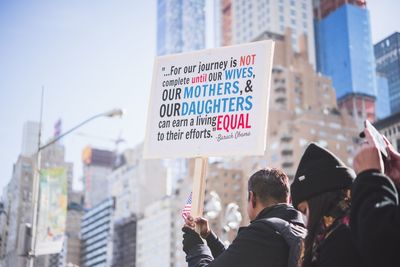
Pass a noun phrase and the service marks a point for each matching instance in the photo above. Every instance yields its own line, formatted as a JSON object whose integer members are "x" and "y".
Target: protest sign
{"x": 52, "y": 211}
{"x": 210, "y": 102}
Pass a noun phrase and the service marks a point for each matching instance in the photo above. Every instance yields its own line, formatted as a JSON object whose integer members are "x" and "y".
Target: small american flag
{"x": 188, "y": 206}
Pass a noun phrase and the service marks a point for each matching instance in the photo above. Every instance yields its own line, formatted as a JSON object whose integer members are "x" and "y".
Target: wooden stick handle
{"x": 199, "y": 187}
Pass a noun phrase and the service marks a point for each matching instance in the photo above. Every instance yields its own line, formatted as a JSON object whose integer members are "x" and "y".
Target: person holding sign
{"x": 375, "y": 211}
{"x": 274, "y": 237}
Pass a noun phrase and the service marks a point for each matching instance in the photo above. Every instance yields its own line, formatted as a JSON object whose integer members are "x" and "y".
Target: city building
{"x": 390, "y": 127}
{"x": 230, "y": 184}
{"x": 71, "y": 253}
{"x": 387, "y": 58}
{"x": 96, "y": 235}
{"x": 97, "y": 165}
{"x": 163, "y": 247}
{"x": 18, "y": 206}
{"x": 124, "y": 243}
{"x": 303, "y": 109}
{"x": 226, "y": 22}
{"x": 382, "y": 104}
{"x": 30, "y": 135}
{"x": 180, "y": 26}
{"x": 243, "y": 21}
{"x": 344, "y": 53}
{"x": 131, "y": 183}
{"x": 3, "y": 230}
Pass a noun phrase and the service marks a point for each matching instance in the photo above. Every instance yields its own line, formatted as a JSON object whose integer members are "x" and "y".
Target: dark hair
{"x": 320, "y": 206}
{"x": 269, "y": 184}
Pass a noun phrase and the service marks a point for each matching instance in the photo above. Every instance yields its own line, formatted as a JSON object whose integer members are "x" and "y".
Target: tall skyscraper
{"x": 303, "y": 109}
{"x": 97, "y": 165}
{"x": 344, "y": 53}
{"x": 30, "y": 135}
{"x": 243, "y": 21}
{"x": 132, "y": 183}
{"x": 180, "y": 26}
{"x": 161, "y": 248}
{"x": 70, "y": 255}
{"x": 18, "y": 204}
{"x": 18, "y": 195}
{"x": 387, "y": 56}
{"x": 96, "y": 233}
{"x": 124, "y": 243}
{"x": 382, "y": 100}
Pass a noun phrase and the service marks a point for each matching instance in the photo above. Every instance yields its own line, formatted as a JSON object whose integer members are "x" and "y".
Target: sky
{"x": 89, "y": 56}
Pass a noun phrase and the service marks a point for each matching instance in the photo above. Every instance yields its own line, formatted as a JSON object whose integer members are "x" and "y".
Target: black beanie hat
{"x": 319, "y": 171}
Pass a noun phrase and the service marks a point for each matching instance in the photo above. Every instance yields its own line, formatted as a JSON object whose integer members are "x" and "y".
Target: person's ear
{"x": 252, "y": 197}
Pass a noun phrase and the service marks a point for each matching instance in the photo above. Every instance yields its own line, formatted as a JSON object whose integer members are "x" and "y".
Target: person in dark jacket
{"x": 273, "y": 238}
{"x": 321, "y": 191}
{"x": 375, "y": 212}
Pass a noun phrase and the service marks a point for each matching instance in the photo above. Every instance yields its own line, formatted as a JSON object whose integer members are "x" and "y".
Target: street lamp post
{"x": 231, "y": 219}
{"x": 36, "y": 176}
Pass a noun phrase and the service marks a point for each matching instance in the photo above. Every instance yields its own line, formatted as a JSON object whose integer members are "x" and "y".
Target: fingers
{"x": 368, "y": 157}
{"x": 200, "y": 220}
{"x": 189, "y": 222}
{"x": 390, "y": 147}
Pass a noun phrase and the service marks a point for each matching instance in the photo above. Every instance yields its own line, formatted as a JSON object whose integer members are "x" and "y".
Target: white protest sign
{"x": 210, "y": 103}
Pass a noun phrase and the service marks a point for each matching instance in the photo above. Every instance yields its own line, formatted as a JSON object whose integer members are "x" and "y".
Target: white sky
{"x": 90, "y": 56}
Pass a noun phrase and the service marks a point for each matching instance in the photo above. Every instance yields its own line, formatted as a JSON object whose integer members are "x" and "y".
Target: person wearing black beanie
{"x": 321, "y": 191}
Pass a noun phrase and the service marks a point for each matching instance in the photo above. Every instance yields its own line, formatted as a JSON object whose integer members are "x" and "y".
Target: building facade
{"x": 344, "y": 50}
{"x": 97, "y": 165}
{"x": 303, "y": 109}
{"x": 390, "y": 127}
{"x": 18, "y": 204}
{"x": 243, "y": 21}
{"x": 387, "y": 56}
{"x": 96, "y": 235}
{"x": 382, "y": 104}
{"x": 124, "y": 243}
{"x": 180, "y": 26}
{"x": 161, "y": 248}
{"x": 154, "y": 247}
{"x": 30, "y": 135}
{"x": 132, "y": 183}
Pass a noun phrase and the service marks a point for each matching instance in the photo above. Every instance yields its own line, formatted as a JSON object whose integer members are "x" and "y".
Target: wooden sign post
{"x": 199, "y": 186}
{"x": 209, "y": 103}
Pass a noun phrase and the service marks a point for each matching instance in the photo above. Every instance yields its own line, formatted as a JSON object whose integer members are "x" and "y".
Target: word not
{"x": 247, "y": 60}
